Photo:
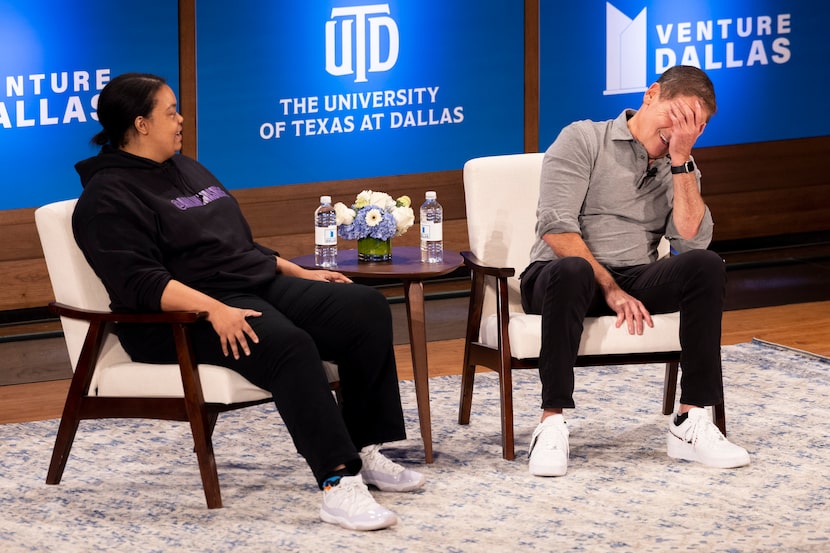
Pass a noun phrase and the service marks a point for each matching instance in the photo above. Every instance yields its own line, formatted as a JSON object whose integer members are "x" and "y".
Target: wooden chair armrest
{"x": 165, "y": 317}
{"x": 475, "y": 264}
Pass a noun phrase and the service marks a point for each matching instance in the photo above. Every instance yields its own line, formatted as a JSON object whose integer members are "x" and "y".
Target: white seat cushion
{"x": 219, "y": 384}
{"x": 130, "y": 379}
{"x": 599, "y": 336}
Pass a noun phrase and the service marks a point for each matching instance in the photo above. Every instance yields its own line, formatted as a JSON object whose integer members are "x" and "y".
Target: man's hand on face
{"x": 688, "y": 122}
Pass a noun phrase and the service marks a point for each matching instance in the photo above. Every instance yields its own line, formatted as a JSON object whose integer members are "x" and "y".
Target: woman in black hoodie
{"x": 164, "y": 234}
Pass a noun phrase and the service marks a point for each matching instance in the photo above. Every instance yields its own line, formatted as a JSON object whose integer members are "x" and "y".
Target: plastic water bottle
{"x": 432, "y": 235}
{"x": 325, "y": 234}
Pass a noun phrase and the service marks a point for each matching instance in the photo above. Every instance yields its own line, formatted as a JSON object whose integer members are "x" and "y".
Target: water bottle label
{"x": 431, "y": 232}
{"x": 325, "y": 236}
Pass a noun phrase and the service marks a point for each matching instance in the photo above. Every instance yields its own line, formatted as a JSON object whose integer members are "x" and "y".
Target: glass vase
{"x": 374, "y": 250}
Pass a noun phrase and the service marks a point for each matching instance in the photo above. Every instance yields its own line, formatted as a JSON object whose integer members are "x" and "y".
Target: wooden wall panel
{"x": 25, "y": 284}
{"x": 288, "y": 209}
{"x": 771, "y": 212}
{"x": 531, "y": 70}
{"x": 19, "y": 237}
{"x": 767, "y": 188}
{"x": 781, "y": 165}
{"x": 187, "y": 75}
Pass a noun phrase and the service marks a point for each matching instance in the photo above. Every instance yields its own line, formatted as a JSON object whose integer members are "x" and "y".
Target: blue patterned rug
{"x": 134, "y": 485}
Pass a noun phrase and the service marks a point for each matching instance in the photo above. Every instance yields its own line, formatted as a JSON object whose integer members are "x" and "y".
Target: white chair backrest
{"x": 501, "y": 194}
{"x": 73, "y": 280}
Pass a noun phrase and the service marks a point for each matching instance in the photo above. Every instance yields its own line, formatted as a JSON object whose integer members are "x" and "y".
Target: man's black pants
{"x": 564, "y": 292}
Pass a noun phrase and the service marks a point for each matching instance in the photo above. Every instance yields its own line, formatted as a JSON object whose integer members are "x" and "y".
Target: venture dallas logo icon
{"x": 356, "y": 56}
{"x": 712, "y": 43}
{"x": 625, "y": 52}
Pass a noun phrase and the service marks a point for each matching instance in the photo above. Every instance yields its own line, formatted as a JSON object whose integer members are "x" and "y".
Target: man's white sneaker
{"x": 386, "y": 475}
{"x": 698, "y": 439}
{"x": 347, "y": 502}
{"x": 548, "y": 453}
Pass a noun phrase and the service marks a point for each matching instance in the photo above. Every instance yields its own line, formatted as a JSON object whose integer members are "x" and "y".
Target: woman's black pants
{"x": 304, "y": 322}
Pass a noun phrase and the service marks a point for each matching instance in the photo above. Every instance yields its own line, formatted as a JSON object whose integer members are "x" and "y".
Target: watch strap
{"x": 687, "y": 167}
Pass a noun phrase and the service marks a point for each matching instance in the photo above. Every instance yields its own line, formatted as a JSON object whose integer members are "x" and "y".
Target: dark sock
{"x": 333, "y": 478}
{"x": 678, "y": 420}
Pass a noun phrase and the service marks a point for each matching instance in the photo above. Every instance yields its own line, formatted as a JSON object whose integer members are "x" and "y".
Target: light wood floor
{"x": 804, "y": 326}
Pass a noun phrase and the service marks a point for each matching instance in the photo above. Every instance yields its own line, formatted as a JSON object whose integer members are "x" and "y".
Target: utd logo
{"x": 361, "y": 30}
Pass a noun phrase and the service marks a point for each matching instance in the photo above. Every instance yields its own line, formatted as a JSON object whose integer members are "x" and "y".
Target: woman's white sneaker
{"x": 347, "y": 502}
{"x": 385, "y": 474}
{"x": 698, "y": 439}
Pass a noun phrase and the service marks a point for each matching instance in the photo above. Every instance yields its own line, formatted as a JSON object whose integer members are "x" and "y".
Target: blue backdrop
{"x": 297, "y": 91}
{"x": 768, "y": 60}
{"x": 55, "y": 56}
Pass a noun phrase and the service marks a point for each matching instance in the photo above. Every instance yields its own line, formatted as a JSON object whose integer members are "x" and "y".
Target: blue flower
{"x": 374, "y": 215}
{"x": 380, "y": 224}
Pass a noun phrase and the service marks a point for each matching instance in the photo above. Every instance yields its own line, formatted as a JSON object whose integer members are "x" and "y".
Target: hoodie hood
{"x": 113, "y": 158}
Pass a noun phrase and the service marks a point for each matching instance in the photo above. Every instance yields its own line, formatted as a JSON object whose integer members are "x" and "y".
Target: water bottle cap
{"x": 325, "y": 199}
{"x": 431, "y": 195}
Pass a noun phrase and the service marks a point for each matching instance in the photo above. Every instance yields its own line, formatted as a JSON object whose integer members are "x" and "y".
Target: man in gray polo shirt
{"x": 609, "y": 192}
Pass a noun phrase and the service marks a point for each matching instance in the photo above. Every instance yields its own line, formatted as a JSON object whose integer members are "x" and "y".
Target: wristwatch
{"x": 687, "y": 167}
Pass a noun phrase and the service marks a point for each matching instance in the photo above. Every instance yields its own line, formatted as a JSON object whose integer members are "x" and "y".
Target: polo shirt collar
{"x": 619, "y": 128}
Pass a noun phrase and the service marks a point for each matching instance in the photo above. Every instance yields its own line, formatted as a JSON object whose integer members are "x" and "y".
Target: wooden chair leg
{"x": 197, "y": 415}
{"x": 719, "y": 411}
{"x": 719, "y": 416}
{"x": 506, "y": 393}
{"x": 468, "y": 369}
{"x": 468, "y": 375}
{"x": 207, "y": 462}
{"x": 75, "y": 397}
{"x": 670, "y": 387}
{"x": 63, "y": 445}
{"x": 211, "y": 419}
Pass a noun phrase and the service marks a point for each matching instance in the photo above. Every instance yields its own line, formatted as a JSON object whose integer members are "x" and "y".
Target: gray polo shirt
{"x": 596, "y": 182}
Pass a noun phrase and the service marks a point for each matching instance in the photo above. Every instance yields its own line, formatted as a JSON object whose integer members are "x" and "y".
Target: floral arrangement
{"x": 374, "y": 215}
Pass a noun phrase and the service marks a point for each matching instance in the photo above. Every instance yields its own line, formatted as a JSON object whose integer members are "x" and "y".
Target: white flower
{"x": 345, "y": 215}
{"x": 363, "y": 198}
{"x": 373, "y": 217}
{"x": 382, "y": 200}
{"x": 379, "y": 199}
{"x": 404, "y": 201}
{"x": 404, "y": 217}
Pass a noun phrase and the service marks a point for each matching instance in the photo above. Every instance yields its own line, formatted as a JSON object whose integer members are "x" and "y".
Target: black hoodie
{"x": 141, "y": 224}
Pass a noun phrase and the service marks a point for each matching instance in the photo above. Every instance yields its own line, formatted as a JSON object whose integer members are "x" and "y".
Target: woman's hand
{"x": 231, "y": 324}
{"x": 326, "y": 275}
{"x": 292, "y": 269}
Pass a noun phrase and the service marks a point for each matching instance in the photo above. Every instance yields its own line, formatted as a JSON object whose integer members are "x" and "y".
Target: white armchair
{"x": 107, "y": 384}
{"x": 501, "y": 199}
